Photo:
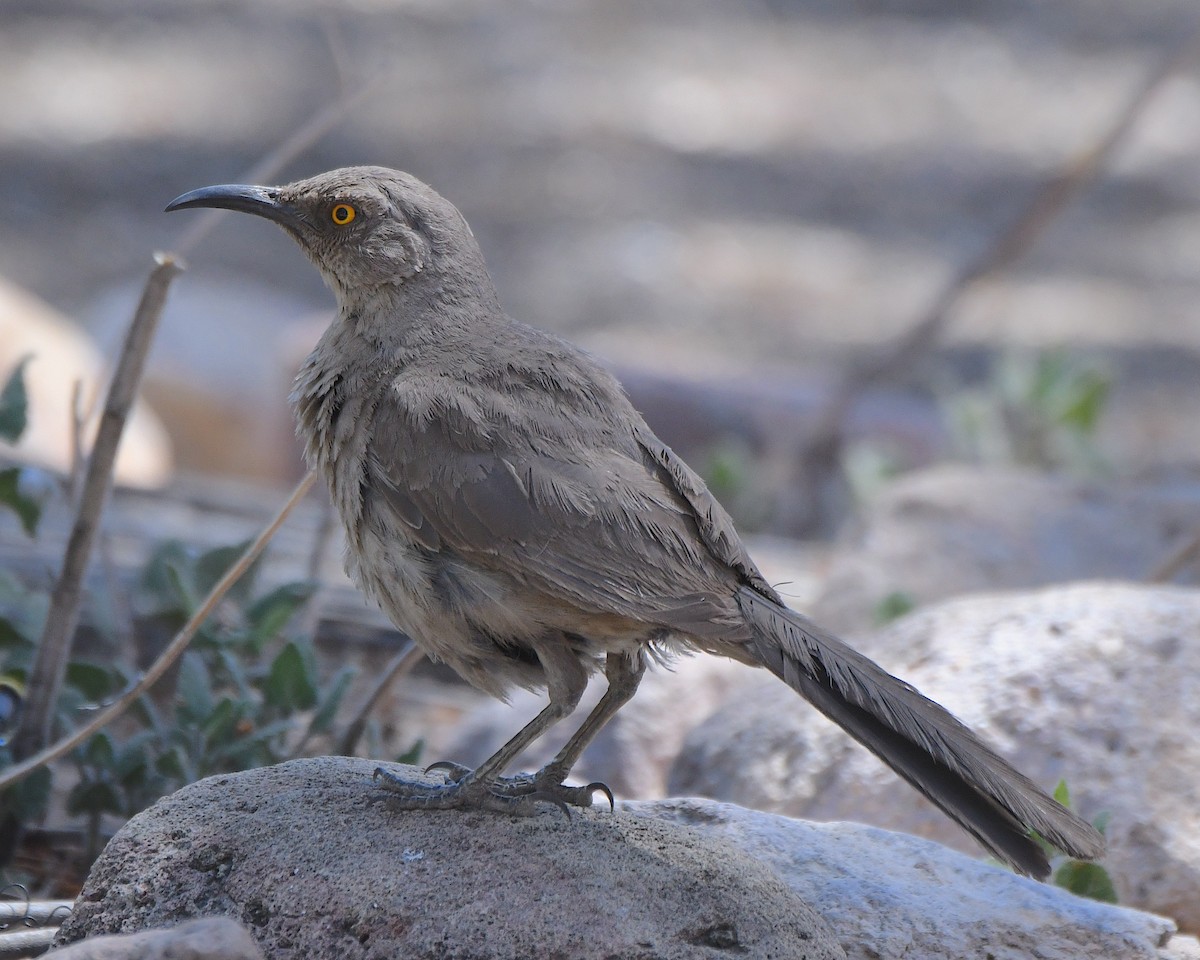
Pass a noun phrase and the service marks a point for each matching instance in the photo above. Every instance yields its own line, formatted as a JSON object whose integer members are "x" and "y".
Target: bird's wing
{"x": 577, "y": 510}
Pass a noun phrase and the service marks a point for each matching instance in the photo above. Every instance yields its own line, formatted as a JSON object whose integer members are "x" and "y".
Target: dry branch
{"x": 172, "y": 652}
{"x": 54, "y": 648}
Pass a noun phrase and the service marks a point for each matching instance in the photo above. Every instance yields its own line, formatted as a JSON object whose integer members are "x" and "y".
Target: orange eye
{"x": 342, "y": 214}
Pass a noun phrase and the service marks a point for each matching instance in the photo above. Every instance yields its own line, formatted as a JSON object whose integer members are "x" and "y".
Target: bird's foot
{"x": 516, "y": 795}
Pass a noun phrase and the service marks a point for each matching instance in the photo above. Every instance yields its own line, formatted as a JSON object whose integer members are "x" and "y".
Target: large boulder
{"x": 1092, "y": 682}
{"x": 316, "y": 862}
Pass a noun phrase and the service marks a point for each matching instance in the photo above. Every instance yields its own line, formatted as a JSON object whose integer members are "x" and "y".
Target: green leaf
{"x": 330, "y": 701}
{"x": 413, "y": 753}
{"x": 252, "y": 750}
{"x": 219, "y": 728}
{"x": 172, "y": 764}
{"x": 269, "y": 614}
{"x": 895, "y": 605}
{"x": 99, "y": 752}
{"x": 165, "y": 585}
{"x": 290, "y": 685}
{"x": 14, "y": 404}
{"x": 28, "y": 799}
{"x": 1086, "y": 880}
{"x": 1087, "y": 403}
{"x": 25, "y": 507}
{"x": 12, "y": 638}
{"x": 236, "y": 674}
{"x": 194, "y": 689}
{"x": 90, "y": 679}
{"x": 93, "y": 796}
{"x": 132, "y": 758}
{"x": 1062, "y": 794}
{"x": 212, "y": 565}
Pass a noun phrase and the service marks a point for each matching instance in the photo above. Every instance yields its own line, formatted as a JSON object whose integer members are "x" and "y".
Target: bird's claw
{"x": 454, "y": 771}
{"x": 517, "y": 795}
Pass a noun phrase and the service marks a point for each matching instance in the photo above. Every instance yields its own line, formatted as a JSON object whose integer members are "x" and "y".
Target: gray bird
{"x": 510, "y": 510}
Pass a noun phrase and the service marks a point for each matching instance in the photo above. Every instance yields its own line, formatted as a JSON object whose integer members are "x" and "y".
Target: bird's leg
{"x": 624, "y": 673}
{"x": 566, "y": 679}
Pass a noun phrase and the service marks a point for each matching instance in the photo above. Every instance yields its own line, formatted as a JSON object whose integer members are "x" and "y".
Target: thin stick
{"x": 26, "y": 943}
{"x": 77, "y": 420}
{"x": 172, "y": 653}
{"x": 50, "y": 664}
{"x": 35, "y": 911}
{"x": 274, "y": 161}
{"x": 400, "y": 664}
{"x": 1176, "y": 560}
{"x": 1012, "y": 242}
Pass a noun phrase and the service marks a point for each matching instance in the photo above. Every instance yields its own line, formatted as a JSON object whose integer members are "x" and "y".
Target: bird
{"x": 510, "y": 510}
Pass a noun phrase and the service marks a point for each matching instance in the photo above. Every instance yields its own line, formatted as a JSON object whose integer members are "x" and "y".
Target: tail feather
{"x": 918, "y": 739}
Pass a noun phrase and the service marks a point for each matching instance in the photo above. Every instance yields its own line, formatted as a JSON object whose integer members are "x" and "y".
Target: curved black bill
{"x": 260, "y": 201}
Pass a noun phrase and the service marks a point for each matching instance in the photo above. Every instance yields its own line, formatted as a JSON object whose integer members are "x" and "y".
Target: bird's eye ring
{"x": 342, "y": 214}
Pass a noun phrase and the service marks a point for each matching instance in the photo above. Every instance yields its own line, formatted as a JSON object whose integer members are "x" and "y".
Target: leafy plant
{"x": 247, "y": 693}
{"x": 893, "y": 606}
{"x": 14, "y": 417}
{"x": 1082, "y": 877}
{"x": 1041, "y": 410}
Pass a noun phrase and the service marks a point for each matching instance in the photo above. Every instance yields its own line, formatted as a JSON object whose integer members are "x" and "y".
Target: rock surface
{"x": 890, "y": 895}
{"x": 209, "y": 938}
{"x": 956, "y": 529}
{"x": 317, "y": 863}
{"x": 1090, "y": 682}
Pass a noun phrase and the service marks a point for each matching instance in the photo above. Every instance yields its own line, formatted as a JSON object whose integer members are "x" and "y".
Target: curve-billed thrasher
{"x": 511, "y": 512}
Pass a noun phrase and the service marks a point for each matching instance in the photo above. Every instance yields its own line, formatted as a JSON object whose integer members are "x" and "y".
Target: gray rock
{"x": 955, "y": 529}
{"x": 209, "y": 938}
{"x": 316, "y": 862}
{"x": 1093, "y": 683}
{"x": 890, "y": 895}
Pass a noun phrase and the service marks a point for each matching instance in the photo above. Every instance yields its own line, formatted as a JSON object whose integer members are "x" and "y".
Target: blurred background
{"x": 736, "y": 205}
{"x": 747, "y": 197}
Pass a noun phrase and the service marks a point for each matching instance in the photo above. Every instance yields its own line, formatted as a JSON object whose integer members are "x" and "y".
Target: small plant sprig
{"x": 1082, "y": 877}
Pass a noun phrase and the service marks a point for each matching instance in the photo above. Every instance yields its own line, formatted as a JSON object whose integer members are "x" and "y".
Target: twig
{"x": 400, "y": 665}
{"x": 26, "y": 943}
{"x": 35, "y": 911}
{"x": 1046, "y": 204}
{"x": 274, "y": 161}
{"x": 172, "y": 652}
{"x": 77, "y": 420}
{"x": 50, "y": 663}
{"x": 1186, "y": 553}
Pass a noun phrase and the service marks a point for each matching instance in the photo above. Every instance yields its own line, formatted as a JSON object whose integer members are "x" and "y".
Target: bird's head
{"x": 365, "y": 228}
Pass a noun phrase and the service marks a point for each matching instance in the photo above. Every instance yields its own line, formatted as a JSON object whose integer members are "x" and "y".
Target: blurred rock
{"x": 311, "y": 856}
{"x": 210, "y": 938}
{"x": 958, "y": 529}
{"x": 1091, "y": 682}
{"x": 61, "y": 356}
{"x": 890, "y": 896}
{"x": 221, "y": 369}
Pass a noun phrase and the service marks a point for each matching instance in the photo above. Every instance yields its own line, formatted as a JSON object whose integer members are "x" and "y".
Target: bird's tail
{"x": 918, "y": 739}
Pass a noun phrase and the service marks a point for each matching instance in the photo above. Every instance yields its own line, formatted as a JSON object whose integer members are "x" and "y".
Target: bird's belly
{"x": 479, "y": 622}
